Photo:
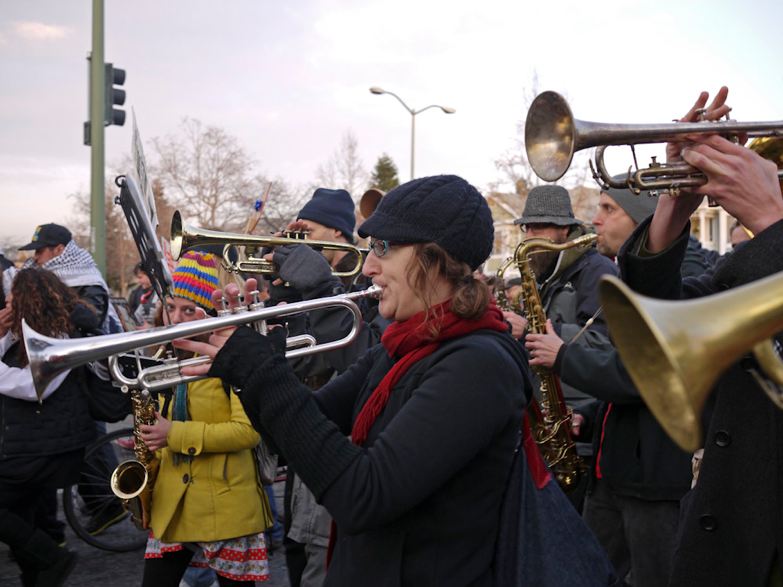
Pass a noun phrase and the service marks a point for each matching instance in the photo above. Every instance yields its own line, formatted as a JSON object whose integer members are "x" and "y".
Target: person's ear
{"x": 58, "y": 250}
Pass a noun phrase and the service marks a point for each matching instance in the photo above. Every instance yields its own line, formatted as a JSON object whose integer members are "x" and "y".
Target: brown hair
{"x": 44, "y": 302}
{"x": 471, "y": 296}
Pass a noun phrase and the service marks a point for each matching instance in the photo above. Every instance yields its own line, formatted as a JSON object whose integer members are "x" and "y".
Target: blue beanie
{"x": 443, "y": 209}
{"x": 332, "y": 208}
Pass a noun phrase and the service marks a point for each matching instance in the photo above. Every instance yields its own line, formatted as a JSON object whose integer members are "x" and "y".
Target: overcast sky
{"x": 288, "y": 79}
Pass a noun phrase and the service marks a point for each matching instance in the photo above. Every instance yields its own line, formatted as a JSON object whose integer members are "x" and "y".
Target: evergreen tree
{"x": 384, "y": 174}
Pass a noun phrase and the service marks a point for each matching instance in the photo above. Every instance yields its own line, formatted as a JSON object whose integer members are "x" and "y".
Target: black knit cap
{"x": 443, "y": 209}
{"x": 548, "y": 204}
{"x": 332, "y": 208}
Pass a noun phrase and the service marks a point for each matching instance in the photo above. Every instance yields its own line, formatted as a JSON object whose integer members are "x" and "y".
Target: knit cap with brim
{"x": 443, "y": 209}
{"x": 196, "y": 277}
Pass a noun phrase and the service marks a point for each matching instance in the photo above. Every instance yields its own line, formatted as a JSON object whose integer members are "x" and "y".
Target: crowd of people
{"x": 411, "y": 452}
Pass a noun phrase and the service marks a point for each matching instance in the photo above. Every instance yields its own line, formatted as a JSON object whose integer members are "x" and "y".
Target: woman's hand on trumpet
{"x": 228, "y": 298}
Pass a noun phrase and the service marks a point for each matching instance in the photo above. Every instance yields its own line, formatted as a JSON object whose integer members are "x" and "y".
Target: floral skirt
{"x": 240, "y": 559}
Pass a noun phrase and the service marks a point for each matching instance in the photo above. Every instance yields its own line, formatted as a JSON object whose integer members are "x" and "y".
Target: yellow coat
{"x": 215, "y": 496}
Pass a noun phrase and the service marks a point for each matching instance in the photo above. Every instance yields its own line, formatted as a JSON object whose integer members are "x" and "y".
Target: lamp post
{"x": 413, "y": 113}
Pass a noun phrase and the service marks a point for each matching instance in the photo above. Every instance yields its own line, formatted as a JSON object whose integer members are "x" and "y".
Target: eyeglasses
{"x": 380, "y": 247}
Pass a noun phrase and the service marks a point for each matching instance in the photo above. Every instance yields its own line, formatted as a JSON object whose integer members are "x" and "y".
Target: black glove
{"x": 244, "y": 352}
{"x": 305, "y": 269}
{"x": 236, "y": 362}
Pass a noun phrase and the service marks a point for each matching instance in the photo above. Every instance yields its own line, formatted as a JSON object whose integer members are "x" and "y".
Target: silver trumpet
{"x": 553, "y": 135}
{"x": 51, "y": 356}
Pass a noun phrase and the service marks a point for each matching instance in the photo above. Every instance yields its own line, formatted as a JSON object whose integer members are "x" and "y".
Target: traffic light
{"x": 114, "y": 96}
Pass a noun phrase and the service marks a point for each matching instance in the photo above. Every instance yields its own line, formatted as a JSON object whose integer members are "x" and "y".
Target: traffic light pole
{"x": 97, "y": 156}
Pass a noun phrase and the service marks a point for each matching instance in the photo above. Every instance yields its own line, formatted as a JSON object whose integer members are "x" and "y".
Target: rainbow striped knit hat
{"x": 196, "y": 277}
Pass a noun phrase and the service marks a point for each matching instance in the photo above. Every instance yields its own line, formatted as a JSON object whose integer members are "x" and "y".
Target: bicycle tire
{"x": 123, "y": 536}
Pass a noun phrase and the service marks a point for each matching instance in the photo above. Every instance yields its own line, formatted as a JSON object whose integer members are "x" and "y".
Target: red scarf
{"x": 410, "y": 341}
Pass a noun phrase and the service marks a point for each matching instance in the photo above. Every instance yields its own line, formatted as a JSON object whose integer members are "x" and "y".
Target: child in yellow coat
{"x": 208, "y": 506}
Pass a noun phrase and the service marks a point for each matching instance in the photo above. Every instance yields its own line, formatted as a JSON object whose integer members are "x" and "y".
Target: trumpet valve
{"x": 224, "y": 310}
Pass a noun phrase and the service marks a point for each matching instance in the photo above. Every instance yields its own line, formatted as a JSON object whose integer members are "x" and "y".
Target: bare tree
{"x": 345, "y": 169}
{"x": 121, "y": 252}
{"x": 282, "y": 205}
{"x": 206, "y": 173}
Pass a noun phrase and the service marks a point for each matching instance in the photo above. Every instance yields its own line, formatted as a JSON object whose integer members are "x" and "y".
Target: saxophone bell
{"x": 133, "y": 480}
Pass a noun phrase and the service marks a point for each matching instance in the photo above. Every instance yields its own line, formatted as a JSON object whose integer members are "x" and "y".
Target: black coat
{"x": 59, "y": 424}
{"x": 637, "y": 458}
{"x": 570, "y": 298}
{"x": 419, "y": 504}
{"x": 732, "y": 522}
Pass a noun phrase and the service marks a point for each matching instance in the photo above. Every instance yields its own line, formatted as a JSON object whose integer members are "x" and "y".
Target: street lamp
{"x": 413, "y": 113}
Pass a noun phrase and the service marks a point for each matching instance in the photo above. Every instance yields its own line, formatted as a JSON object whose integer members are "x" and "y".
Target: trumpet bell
{"x": 177, "y": 236}
{"x": 550, "y": 136}
{"x": 369, "y": 201}
{"x": 675, "y": 351}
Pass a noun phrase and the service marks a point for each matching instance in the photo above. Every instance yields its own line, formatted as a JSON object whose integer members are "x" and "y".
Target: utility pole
{"x": 97, "y": 155}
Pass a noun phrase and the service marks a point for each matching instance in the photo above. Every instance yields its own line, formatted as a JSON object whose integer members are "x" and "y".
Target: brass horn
{"x": 553, "y": 135}
{"x": 369, "y": 201}
{"x": 675, "y": 350}
{"x": 51, "y": 356}
{"x": 184, "y": 237}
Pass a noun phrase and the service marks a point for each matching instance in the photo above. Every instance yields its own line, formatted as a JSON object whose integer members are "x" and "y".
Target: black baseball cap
{"x": 48, "y": 235}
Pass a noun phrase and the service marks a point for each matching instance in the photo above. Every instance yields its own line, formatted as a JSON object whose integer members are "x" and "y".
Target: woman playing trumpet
{"x": 433, "y": 413}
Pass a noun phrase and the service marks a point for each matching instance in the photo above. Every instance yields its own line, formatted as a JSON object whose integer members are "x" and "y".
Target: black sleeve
{"x": 335, "y": 323}
{"x": 599, "y": 373}
{"x": 460, "y": 404}
{"x": 97, "y": 297}
{"x": 587, "y": 304}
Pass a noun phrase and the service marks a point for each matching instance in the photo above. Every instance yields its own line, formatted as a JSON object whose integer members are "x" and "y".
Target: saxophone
{"x": 132, "y": 481}
{"x": 551, "y": 418}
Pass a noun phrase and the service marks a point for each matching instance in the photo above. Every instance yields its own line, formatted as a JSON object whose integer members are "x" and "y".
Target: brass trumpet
{"x": 51, "y": 356}
{"x": 553, "y": 135}
{"x": 674, "y": 355}
{"x": 184, "y": 237}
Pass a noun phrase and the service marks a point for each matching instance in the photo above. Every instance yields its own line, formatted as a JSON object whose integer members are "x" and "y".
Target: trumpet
{"x": 167, "y": 373}
{"x": 51, "y": 356}
{"x": 553, "y": 135}
{"x": 184, "y": 237}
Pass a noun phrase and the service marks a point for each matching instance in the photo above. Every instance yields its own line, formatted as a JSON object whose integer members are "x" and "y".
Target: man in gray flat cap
{"x": 568, "y": 287}
{"x": 640, "y": 474}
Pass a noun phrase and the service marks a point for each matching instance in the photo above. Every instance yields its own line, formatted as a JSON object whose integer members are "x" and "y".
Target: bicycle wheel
{"x": 92, "y": 498}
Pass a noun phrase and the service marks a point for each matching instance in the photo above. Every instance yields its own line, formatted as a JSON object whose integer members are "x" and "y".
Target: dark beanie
{"x": 332, "y": 208}
{"x": 637, "y": 207}
{"x": 442, "y": 209}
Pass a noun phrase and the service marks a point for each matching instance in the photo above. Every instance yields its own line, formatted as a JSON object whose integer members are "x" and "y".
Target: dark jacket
{"x": 97, "y": 297}
{"x": 570, "y": 299}
{"x": 637, "y": 458}
{"x": 732, "y": 521}
{"x": 60, "y": 424}
{"x": 419, "y": 504}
